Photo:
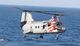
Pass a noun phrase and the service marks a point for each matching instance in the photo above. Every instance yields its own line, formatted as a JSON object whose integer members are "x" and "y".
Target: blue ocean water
{"x": 11, "y": 32}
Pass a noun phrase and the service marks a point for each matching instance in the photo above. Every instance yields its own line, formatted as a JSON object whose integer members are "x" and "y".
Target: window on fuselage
{"x": 43, "y": 26}
{"x": 38, "y": 26}
{"x": 35, "y": 26}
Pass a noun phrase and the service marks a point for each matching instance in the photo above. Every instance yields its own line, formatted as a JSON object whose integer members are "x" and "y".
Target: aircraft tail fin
{"x": 26, "y": 16}
{"x": 23, "y": 17}
{"x": 29, "y": 16}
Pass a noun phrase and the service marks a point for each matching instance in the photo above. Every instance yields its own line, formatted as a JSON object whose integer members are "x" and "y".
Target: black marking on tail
{"x": 23, "y": 23}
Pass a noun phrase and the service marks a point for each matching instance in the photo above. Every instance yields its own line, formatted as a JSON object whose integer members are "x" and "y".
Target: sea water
{"x": 11, "y": 33}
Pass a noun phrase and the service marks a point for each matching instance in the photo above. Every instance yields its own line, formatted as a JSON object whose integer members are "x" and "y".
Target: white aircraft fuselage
{"x": 37, "y": 27}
